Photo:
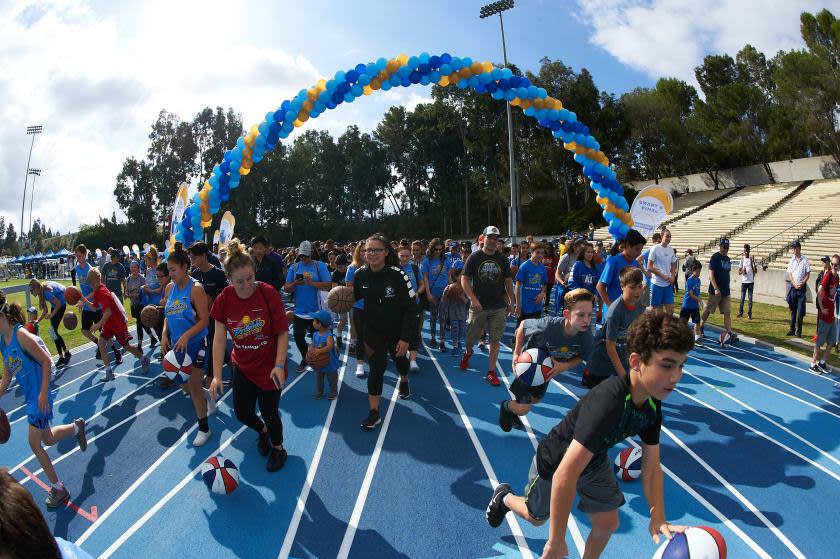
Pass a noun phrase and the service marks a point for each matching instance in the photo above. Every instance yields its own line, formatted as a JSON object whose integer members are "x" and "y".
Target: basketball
{"x": 70, "y": 320}
{"x": 454, "y": 291}
{"x": 340, "y": 299}
{"x": 701, "y": 542}
{"x": 149, "y": 316}
{"x": 220, "y": 475}
{"x": 532, "y": 366}
{"x": 177, "y": 366}
{"x": 628, "y": 464}
{"x": 290, "y": 317}
{"x": 5, "y": 428}
{"x": 72, "y": 295}
{"x": 317, "y": 361}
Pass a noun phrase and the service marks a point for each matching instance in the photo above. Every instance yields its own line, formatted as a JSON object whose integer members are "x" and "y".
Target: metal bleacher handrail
{"x": 19, "y": 289}
{"x": 810, "y": 231}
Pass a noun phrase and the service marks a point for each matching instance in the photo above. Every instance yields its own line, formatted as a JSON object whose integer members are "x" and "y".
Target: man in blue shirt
{"x": 719, "y": 267}
{"x": 305, "y": 279}
{"x": 531, "y": 279}
{"x": 609, "y": 286}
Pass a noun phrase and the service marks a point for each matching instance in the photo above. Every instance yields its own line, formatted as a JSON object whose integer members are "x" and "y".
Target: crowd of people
{"x": 608, "y": 311}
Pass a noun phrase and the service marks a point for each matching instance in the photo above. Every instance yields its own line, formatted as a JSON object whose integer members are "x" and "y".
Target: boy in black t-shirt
{"x": 573, "y": 457}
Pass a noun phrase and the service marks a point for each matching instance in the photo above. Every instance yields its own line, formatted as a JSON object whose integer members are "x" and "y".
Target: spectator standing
{"x": 113, "y": 273}
{"x": 798, "y": 272}
{"x": 825, "y": 301}
{"x": 305, "y": 279}
{"x": 747, "y": 270}
{"x": 662, "y": 265}
{"x": 688, "y": 263}
{"x": 719, "y": 268}
{"x": 267, "y": 270}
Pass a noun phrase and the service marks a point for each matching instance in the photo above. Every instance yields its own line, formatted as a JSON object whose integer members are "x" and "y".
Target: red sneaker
{"x": 465, "y": 360}
{"x": 492, "y": 378}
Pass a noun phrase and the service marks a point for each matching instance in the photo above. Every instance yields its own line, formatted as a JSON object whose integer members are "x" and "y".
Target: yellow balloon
{"x": 298, "y": 123}
{"x": 321, "y": 85}
{"x": 244, "y": 170}
{"x": 444, "y": 81}
{"x": 249, "y": 140}
{"x": 402, "y": 59}
{"x": 367, "y": 90}
{"x": 255, "y": 131}
{"x": 311, "y": 95}
{"x": 487, "y": 67}
{"x": 204, "y": 195}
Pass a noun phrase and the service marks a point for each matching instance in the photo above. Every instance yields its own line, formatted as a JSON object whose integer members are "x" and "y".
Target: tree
{"x": 135, "y": 194}
{"x": 11, "y": 242}
{"x": 171, "y": 159}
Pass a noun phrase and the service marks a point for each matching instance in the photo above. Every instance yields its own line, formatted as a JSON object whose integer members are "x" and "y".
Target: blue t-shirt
{"x": 720, "y": 267}
{"x": 54, "y": 290}
{"x": 351, "y": 273}
{"x": 319, "y": 340}
{"x": 645, "y": 255}
{"x": 533, "y": 278}
{"x": 69, "y": 550}
{"x": 609, "y": 277}
{"x": 306, "y": 297}
{"x": 81, "y": 275}
{"x": 692, "y": 285}
{"x": 583, "y": 276}
{"x": 438, "y": 273}
{"x": 409, "y": 271}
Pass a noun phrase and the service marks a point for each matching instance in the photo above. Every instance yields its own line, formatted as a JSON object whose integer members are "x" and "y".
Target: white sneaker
{"x": 360, "y": 370}
{"x": 413, "y": 367}
{"x": 201, "y": 438}
{"x": 211, "y": 405}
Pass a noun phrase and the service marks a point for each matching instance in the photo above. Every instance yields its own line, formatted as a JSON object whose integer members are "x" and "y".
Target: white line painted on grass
{"x": 300, "y": 506}
{"x": 690, "y": 490}
{"x": 766, "y": 418}
{"x": 353, "y": 523}
{"x": 782, "y": 392}
{"x": 172, "y": 492}
{"x": 511, "y": 519}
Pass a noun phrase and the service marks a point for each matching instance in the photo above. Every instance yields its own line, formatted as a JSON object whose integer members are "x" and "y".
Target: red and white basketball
{"x": 220, "y": 475}
{"x": 532, "y": 366}
{"x": 701, "y": 542}
{"x": 628, "y": 464}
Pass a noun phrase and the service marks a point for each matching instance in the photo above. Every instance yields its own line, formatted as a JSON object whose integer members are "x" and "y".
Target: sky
{"x": 95, "y": 74}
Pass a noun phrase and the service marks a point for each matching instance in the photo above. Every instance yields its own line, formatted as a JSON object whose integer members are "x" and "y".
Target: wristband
{"x": 279, "y": 366}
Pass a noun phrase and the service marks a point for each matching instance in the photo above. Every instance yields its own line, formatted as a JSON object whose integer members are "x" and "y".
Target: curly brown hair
{"x": 656, "y": 330}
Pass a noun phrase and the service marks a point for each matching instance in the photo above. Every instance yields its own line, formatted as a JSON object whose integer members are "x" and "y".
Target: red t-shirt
{"x": 829, "y": 283}
{"x": 104, "y": 299}
{"x": 253, "y": 324}
{"x": 550, "y": 264}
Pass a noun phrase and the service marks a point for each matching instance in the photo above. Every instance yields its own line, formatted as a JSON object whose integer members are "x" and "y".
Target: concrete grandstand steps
{"x": 700, "y": 201}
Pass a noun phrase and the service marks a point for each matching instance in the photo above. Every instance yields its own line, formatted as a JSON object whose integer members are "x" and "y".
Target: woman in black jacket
{"x": 391, "y": 318}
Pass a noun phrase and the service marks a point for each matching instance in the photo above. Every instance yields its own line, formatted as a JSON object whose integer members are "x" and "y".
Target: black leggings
{"x": 55, "y": 321}
{"x": 246, "y": 395}
{"x": 359, "y": 325}
{"x": 301, "y": 327}
{"x": 136, "y": 310}
{"x": 377, "y": 349}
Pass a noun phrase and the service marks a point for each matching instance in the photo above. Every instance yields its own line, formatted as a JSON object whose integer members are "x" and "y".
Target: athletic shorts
{"x": 492, "y": 320}
{"x": 597, "y": 487}
{"x": 591, "y": 381}
{"x": 528, "y": 316}
{"x": 825, "y": 332}
{"x": 40, "y": 420}
{"x": 715, "y": 302}
{"x": 526, "y": 394}
{"x": 89, "y": 318}
{"x": 123, "y": 336}
{"x": 661, "y": 295}
{"x": 693, "y": 314}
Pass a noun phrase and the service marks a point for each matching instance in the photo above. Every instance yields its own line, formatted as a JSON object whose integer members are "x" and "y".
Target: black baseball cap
{"x": 341, "y": 259}
{"x": 796, "y": 244}
{"x": 724, "y": 243}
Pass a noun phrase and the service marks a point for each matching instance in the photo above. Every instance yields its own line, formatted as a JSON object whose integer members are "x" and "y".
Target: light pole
{"x": 34, "y": 173}
{"x": 33, "y": 130}
{"x": 487, "y": 11}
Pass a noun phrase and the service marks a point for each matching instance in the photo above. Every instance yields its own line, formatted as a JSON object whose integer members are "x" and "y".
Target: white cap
{"x": 491, "y": 230}
{"x": 305, "y": 248}
{"x": 33, "y": 310}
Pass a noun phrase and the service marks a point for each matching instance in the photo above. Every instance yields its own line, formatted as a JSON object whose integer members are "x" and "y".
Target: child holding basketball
{"x": 26, "y": 358}
{"x": 323, "y": 342}
{"x": 566, "y": 339}
{"x": 112, "y": 325}
{"x": 610, "y": 354}
{"x": 573, "y": 457}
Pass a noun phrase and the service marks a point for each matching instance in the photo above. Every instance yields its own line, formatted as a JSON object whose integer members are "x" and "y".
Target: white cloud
{"x": 671, "y": 37}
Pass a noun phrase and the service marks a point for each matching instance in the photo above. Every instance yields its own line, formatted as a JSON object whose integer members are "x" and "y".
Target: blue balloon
{"x": 497, "y": 74}
{"x": 342, "y": 88}
{"x": 480, "y": 88}
{"x": 364, "y": 79}
{"x": 414, "y": 77}
{"x": 386, "y": 86}
{"x": 434, "y": 76}
{"x": 424, "y": 69}
{"x": 445, "y": 69}
{"x": 445, "y": 58}
{"x": 285, "y": 105}
{"x": 522, "y": 92}
{"x": 381, "y": 63}
{"x": 331, "y": 85}
{"x": 296, "y": 106}
{"x": 510, "y": 95}
{"x": 339, "y": 76}
{"x": 492, "y": 87}
{"x": 507, "y": 73}
{"x": 434, "y": 62}
{"x": 504, "y": 84}
{"x": 498, "y": 94}
{"x": 424, "y": 80}
{"x": 463, "y": 83}
{"x": 456, "y": 64}
{"x": 424, "y": 57}
{"x": 263, "y": 128}
{"x": 413, "y": 61}
{"x": 361, "y": 69}
{"x": 514, "y": 81}
{"x": 352, "y": 76}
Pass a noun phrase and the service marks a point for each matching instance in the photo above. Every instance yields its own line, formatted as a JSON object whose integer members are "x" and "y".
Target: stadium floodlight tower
{"x": 34, "y": 173}
{"x": 33, "y": 130}
{"x": 487, "y": 11}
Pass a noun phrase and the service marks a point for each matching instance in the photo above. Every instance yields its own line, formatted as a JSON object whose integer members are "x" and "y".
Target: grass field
{"x": 73, "y": 338}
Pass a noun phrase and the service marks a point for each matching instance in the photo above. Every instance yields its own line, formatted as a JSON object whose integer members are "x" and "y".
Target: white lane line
{"x": 792, "y": 366}
{"x": 573, "y": 527}
{"x": 817, "y": 396}
{"x": 159, "y": 505}
{"x": 103, "y": 433}
{"x": 763, "y": 416}
{"x": 768, "y": 387}
{"x": 300, "y": 506}
{"x": 512, "y": 521}
{"x": 172, "y": 492}
{"x": 691, "y": 491}
{"x": 57, "y": 388}
{"x": 353, "y": 523}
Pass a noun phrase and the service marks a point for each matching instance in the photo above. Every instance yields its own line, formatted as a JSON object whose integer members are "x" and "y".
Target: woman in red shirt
{"x": 253, "y": 313}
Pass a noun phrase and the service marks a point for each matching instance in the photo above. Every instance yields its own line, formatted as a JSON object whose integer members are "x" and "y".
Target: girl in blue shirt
{"x": 436, "y": 277}
{"x": 585, "y": 274}
{"x": 27, "y": 360}
{"x": 54, "y": 293}
{"x": 187, "y": 311}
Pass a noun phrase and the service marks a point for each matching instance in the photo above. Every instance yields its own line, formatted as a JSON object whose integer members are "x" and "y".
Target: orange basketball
{"x": 70, "y": 321}
{"x": 72, "y": 295}
{"x": 149, "y": 316}
{"x": 317, "y": 361}
{"x": 340, "y": 299}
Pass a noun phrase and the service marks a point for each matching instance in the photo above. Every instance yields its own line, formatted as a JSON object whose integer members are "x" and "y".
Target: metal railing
{"x": 19, "y": 289}
{"x": 765, "y": 262}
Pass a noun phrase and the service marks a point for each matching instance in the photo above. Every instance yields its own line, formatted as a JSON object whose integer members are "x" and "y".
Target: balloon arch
{"x": 403, "y": 71}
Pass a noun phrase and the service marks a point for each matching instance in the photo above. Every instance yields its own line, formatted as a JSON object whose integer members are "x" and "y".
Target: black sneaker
{"x": 117, "y": 357}
{"x": 505, "y": 418}
{"x": 824, "y": 366}
{"x": 405, "y": 393}
{"x": 98, "y": 355}
{"x": 263, "y": 444}
{"x": 67, "y": 356}
{"x": 153, "y": 343}
{"x": 301, "y": 368}
{"x": 276, "y": 459}
{"x": 497, "y": 509}
{"x": 815, "y": 368}
{"x": 433, "y": 342}
{"x": 339, "y": 343}
{"x": 59, "y": 362}
{"x": 517, "y": 423}
{"x": 790, "y": 332}
{"x": 371, "y": 421}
